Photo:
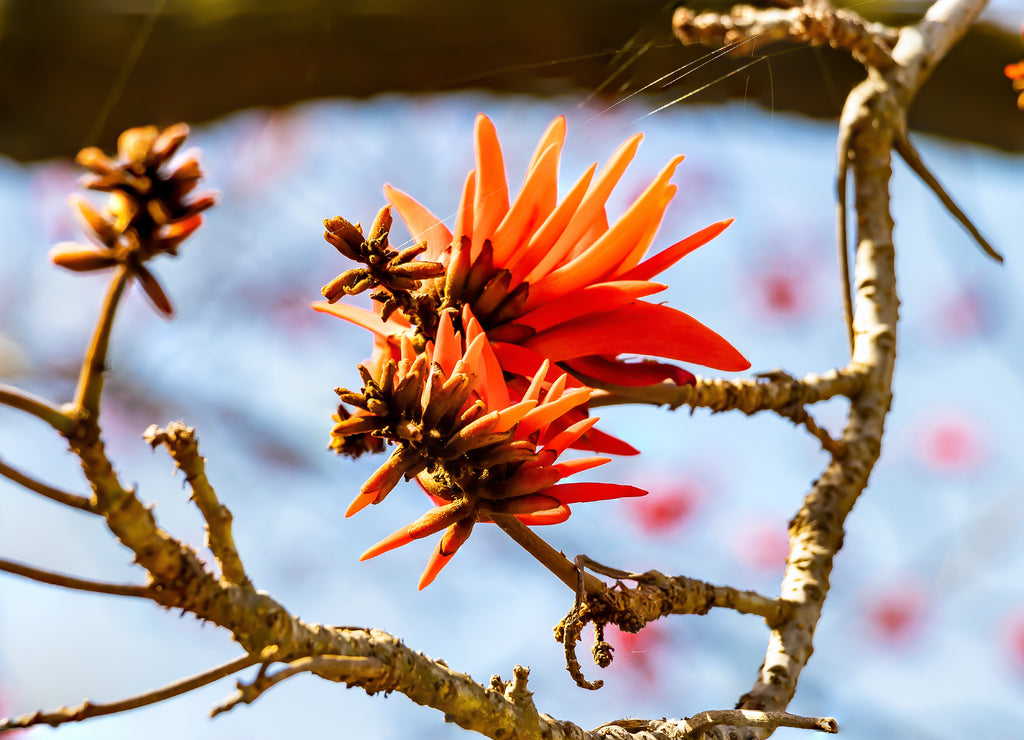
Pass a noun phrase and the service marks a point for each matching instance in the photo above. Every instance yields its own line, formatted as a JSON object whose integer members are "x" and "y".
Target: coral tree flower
{"x": 149, "y": 211}
{"x": 550, "y": 278}
{"x": 475, "y": 451}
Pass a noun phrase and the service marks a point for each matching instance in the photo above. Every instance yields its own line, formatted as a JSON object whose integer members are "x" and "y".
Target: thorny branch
{"x": 87, "y": 709}
{"x": 872, "y": 123}
{"x": 54, "y": 494}
{"x": 77, "y": 584}
{"x": 182, "y": 445}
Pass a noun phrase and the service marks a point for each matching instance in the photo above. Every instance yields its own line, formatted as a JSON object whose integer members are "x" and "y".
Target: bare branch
{"x": 353, "y": 671}
{"x": 545, "y": 554}
{"x": 183, "y": 447}
{"x": 54, "y": 494}
{"x": 37, "y": 407}
{"x": 770, "y": 392}
{"x": 913, "y": 159}
{"x": 701, "y": 722}
{"x": 79, "y": 584}
{"x": 87, "y": 709}
{"x": 90, "y": 379}
{"x": 816, "y": 22}
{"x": 800, "y": 417}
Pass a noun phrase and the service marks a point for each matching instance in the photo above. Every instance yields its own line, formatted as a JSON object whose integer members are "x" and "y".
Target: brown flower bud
{"x": 168, "y": 141}
{"x": 81, "y": 257}
{"x": 101, "y": 228}
{"x": 94, "y": 160}
{"x": 381, "y": 225}
{"x": 153, "y": 290}
{"x": 134, "y": 144}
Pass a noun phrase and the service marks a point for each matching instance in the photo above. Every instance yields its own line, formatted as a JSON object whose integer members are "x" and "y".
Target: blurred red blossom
{"x": 895, "y": 613}
{"x": 950, "y": 442}
{"x": 666, "y": 509}
{"x": 762, "y": 546}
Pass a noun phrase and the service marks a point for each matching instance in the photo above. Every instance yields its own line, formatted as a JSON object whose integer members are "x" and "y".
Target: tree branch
{"x": 815, "y": 22}
{"x": 769, "y": 392}
{"x": 353, "y": 671}
{"x": 87, "y": 709}
{"x": 54, "y": 494}
{"x": 79, "y": 584}
{"x": 37, "y": 407}
{"x": 183, "y": 447}
{"x": 545, "y": 554}
{"x": 90, "y": 378}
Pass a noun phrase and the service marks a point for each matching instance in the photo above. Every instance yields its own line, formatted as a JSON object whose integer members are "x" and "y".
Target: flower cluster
{"x": 148, "y": 213}
{"x": 488, "y": 337}
{"x": 1015, "y": 72}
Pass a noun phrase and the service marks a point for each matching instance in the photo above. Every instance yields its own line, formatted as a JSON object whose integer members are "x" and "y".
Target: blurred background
{"x": 303, "y": 111}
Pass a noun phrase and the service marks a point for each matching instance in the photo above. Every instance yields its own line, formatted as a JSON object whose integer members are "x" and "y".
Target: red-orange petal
{"x": 435, "y": 564}
{"x": 391, "y": 542}
{"x": 571, "y": 467}
{"x": 543, "y": 518}
{"x": 607, "y": 252}
{"x": 544, "y": 414}
{"x": 535, "y": 202}
{"x": 491, "y": 202}
{"x": 519, "y": 360}
{"x": 576, "y": 493}
{"x": 447, "y": 347}
{"x": 523, "y": 261}
{"x": 640, "y": 328}
{"x": 561, "y": 441}
{"x": 422, "y": 224}
{"x": 597, "y": 441}
{"x": 554, "y": 135}
{"x": 596, "y": 298}
{"x": 620, "y": 372}
{"x": 362, "y": 317}
{"x": 464, "y": 216}
{"x": 590, "y": 208}
{"x": 453, "y": 538}
{"x": 668, "y": 257}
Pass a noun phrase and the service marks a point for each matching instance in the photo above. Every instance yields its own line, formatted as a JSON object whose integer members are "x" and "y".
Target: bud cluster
{"x": 148, "y": 211}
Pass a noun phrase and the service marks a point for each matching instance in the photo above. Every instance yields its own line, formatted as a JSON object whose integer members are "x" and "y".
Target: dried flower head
{"x": 149, "y": 211}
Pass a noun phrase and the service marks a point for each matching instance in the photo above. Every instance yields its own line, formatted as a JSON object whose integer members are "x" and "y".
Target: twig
{"x": 815, "y": 21}
{"x": 842, "y": 235}
{"x": 353, "y": 671}
{"x": 548, "y": 556}
{"x": 873, "y": 118}
{"x": 913, "y": 159}
{"x": 799, "y": 415}
{"x": 79, "y": 584}
{"x": 183, "y": 447}
{"x": 88, "y": 709}
{"x": 703, "y": 721}
{"x": 773, "y": 391}
{"x": 37, "y": 407}
{"x": 90, "y": 379}
{"x": 54, "y": 494}
{"x": 658, "y": 595}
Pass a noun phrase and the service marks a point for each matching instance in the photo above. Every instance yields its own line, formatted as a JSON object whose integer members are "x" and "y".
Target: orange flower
{"x": 552, "y": 279}
{"x": 473, "y": 449}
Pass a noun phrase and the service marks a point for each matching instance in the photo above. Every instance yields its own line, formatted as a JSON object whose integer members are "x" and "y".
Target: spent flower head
{"x": 151, "y": 208}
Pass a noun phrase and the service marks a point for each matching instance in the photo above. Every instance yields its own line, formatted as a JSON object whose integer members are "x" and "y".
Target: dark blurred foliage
{"x": 74, "y": 72}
